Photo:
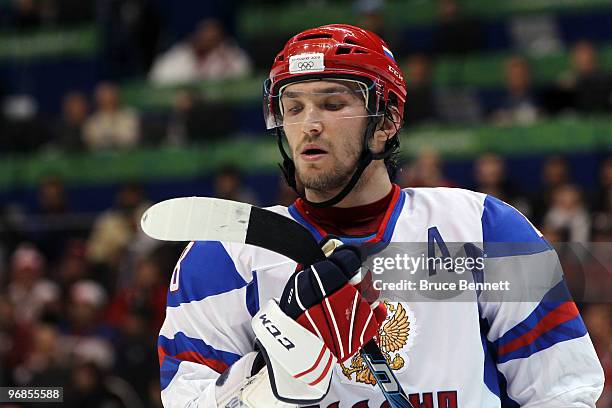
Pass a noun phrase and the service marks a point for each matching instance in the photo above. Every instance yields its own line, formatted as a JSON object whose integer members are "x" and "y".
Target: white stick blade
{"x": 197, "y": 219}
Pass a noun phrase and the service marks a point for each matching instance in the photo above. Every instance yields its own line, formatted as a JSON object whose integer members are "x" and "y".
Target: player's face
{"x": 324, "y": 122}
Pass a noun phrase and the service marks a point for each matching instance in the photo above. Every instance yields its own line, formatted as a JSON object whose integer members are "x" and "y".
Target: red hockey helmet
{"x": 337, "y": 51}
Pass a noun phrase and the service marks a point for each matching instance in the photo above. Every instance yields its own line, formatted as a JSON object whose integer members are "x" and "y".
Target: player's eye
{"x": 293, "y": 110}
{"x": 334, "y": 106}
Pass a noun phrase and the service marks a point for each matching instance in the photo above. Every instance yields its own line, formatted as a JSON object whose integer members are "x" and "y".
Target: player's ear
{"x": 388, "y": 127}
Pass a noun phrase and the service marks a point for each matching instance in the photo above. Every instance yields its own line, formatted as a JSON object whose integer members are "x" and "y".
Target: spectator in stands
{"x": 603, "y": 197}
{"x": 587, "y": 81}
{"x": 12, "y": 218}
{"x": 419, "y": 88}
{"x": 228, "y": 185}
{"x": 371, "y": 17}
{"x": 29, "y": 288}
{"x": 455, "y": 34}
{"x": 490, "y": 176}
{"x": 196, "y": 120}
{"x": 116, "y": 228}
{"x": 519, "y": 105}
{"x": 111, "y": 126}
{"x": 209, "y": 54}
{"x": 15, "y": 338}
{"x": 47, "y": 362}
{"x": 72, "y": 264}
{"x": 602, "y": 229}
{"x": 555, "y": 173}
{"x": 89, "y": 387}
{"x": 52, "y": 199}
{"x": 50, "y": 220}
{"x": 145, "y": 295}
{"x": 137, "y": 350}
{"x": 569, "y": 212}
{"x": 129, "y": 35}
{"x": 23, "y": 129}
{"x": 69, "y": 130}
{"x": 86, "y": 335}
{"x": 426, "y": 171}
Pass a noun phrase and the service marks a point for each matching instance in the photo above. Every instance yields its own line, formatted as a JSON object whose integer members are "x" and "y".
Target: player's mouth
{"x": 312, "y": 152}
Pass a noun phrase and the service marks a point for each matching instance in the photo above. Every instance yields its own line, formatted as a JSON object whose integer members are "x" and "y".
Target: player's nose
{"x": 312, "y": 124}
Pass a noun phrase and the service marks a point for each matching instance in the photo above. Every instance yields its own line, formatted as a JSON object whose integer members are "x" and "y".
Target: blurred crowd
{"x": 100, "y": 121}
{"x": 82, "y": 296}
{"x": 82, "y": 301}
{"x": 95, "y": 119}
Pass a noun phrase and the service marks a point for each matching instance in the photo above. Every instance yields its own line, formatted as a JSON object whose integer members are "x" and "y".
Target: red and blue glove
{"x": 332, "y": 300}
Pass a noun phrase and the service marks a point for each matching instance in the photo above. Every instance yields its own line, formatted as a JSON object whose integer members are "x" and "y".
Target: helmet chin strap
{"x": 366, "y": 157}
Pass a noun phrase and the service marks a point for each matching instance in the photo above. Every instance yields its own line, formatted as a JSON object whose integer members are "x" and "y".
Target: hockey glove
{"x": 327, "y": 300}
{"x": 321, "y": 319}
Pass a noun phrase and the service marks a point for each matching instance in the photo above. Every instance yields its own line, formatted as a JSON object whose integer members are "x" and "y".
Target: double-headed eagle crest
{"x": 392, "y": 336}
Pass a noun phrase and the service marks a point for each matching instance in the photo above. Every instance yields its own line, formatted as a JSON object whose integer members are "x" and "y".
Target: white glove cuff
{"x": 300, "y": 365}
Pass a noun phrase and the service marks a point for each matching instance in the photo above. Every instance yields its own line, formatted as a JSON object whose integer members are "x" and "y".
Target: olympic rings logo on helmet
{"x": 305, "y": 65}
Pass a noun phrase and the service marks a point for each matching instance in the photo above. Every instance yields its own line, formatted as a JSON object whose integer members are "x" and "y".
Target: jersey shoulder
{"x": 208, "y": 268}
{"x": 446, "y": 194}
{"x": 499, "y": 221}
{"x": 445, "y": 203}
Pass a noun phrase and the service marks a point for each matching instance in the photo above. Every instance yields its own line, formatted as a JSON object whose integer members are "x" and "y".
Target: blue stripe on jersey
{"x": 569, "y": 330}
{"x": 541, "y": 310}
{"x": 493, "y": 378}
{"x": 181, "y": 343}
{"x": 206, "y": 270}
{"x": 508, "y": 232}
{"x": 298, "y": 217}
{"x": 390, "y": 227}
{"x": 378, "y": 246}
{"x": 555, "y": 297}
{"x": 564, "y": 330}
{"x": 252, "y": 296}
{"x": 355, "y": 240}
{"x": 167, "y": 371}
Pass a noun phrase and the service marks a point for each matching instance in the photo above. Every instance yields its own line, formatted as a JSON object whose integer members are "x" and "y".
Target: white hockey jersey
{"x": 452, "y": 354}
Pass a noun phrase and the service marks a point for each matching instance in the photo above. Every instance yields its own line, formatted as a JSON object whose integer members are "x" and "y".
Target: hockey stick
{"x": 205, "y": 218}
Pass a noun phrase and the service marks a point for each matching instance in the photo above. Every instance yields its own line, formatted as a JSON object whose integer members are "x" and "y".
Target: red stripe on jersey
{"x": 194, "y": 357}
{"x": 161, "y": 354}
{"x": 565, "y": 312}
{"x": 383, "y": 224}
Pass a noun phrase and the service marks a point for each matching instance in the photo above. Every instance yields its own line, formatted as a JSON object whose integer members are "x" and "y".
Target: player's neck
{"x": 373, "y": 185}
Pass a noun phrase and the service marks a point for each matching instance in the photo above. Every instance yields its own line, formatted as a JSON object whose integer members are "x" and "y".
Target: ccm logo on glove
{"x": 274, "y": 331}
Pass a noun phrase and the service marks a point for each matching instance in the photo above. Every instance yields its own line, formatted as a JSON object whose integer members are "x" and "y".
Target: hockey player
{"x": 244, "y": 328}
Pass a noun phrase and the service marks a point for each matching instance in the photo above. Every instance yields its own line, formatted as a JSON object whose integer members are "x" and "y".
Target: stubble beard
{"x": 326, "y": 181}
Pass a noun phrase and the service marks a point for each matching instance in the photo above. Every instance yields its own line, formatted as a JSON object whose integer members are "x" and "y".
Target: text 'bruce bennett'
{"x": 425, "y": 285}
